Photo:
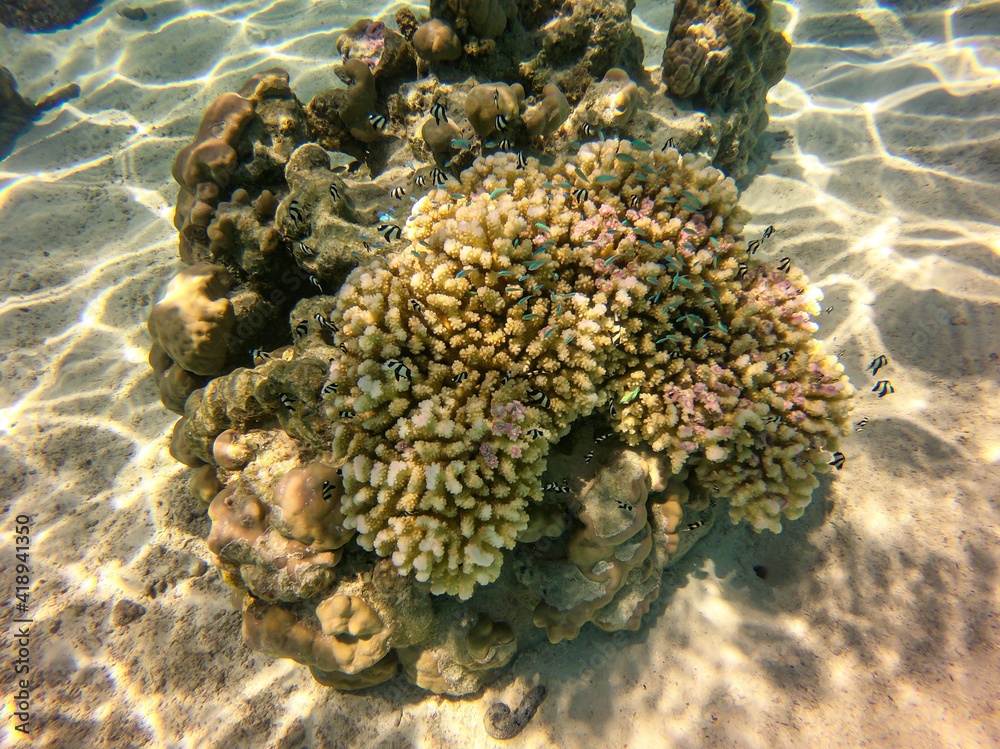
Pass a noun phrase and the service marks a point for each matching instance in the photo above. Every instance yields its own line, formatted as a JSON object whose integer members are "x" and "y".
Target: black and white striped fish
{"x": 785, "y": 356}
{"x": 500, "y": 122}
{"x": 416, "y": 305}
{"x": 633, "y": 201}
{"x": 305, "y": 249}
{"x": 258, "y": 354}
{"x": 439, "y": 113}
{"x": 286, "y": 400}
{"x": 588, "y": 130}
{"x": 421, "y": 180}
{"x": 315, "y": 282}
{"x": 347, "y": 414}
{"x": 460, "y": 377}
{"x": 538, "y": 397}
{"x": 694, "y": 526}
{"x": 613, "y": 411}
{"x": 767, "y": 232}
{"x": 535, "y": 433}
{"x": 378, "y": 121}
{"x": 861, "y": 424}
{"x": 589, "y": 457}
{"x": 603, "y": 437}
{"x": 302, "y": 328}
{"x": 753, "y": 246}
{"x": 390, "y": 231}
{"x": 785, "y": 265}
{"x": 580, "y": 194}
{"x": 438, "y": 177}
{"x": 330, "y": 387}
{"x": 334, "y": 192}
{"x": 505, "y": 145}
{"x": 399, "y": 369}
{"x": 295, "y": 211}
{"x": 324, "y": 323}
{"x": 741, "y": 270}
{"x": 522, "y": 162}
{"x": 552, "y": 486}
{"x": 397, "y": 193}
{"x": 327, "y": 491}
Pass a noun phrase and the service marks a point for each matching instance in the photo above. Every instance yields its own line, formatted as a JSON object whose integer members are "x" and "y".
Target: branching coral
{"x": 528, "y": 297}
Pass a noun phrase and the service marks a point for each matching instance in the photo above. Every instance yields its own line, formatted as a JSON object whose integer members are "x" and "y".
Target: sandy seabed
{"x": 872, "y": 621}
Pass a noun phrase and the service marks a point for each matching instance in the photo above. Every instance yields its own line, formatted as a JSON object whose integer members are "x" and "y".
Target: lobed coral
{"x": 724, "y": 56}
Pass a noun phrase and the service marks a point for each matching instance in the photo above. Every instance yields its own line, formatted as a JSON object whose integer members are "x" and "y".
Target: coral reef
{"x": 504, "y": 417}
{"x": 723, "y": 55}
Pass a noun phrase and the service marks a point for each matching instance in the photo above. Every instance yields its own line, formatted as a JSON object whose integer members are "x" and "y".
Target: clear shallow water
{"x": 874, "y": 622}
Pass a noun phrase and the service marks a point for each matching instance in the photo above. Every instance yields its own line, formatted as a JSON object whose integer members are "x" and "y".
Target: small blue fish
{"x": 498, "y": 192}
{"x": 571, "y": 336}
{"x": 460, "y": 143}
{"x": 463, "y": 272}
{"x": 537, "y": 264}
{"x": 531, "y": 316}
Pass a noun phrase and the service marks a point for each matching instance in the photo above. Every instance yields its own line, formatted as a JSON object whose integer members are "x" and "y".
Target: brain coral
{"x": 523, "y": 299}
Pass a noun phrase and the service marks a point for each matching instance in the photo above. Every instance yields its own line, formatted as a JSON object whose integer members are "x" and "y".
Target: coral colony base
{"x": 540, "y": 388}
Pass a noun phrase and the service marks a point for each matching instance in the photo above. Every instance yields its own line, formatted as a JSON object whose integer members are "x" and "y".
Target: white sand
{"x": 877, "y": 624}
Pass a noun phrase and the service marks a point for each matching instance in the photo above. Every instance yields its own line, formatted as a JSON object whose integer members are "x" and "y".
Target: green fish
{"x": 683, "y": 282}
{"x": 498, "y": 192}
{"x": 626, "y": 157}
{"x": 691, "y": 208}
{"x": 506, "y": 272}
{"x": 522, "y": 299}
{"x": 491, "y": 144}
{"x": 693, "y": 198}
{"x": 574, "y": 144}
{"x": 629, "y": 397}
{"x": 605, "y": 179}
{"x": 640, "y": 178}
{"x": 641, "y": 145}
{"x": 537, "y": 264}
{"x": 571, "y": 336}
{"x": 531, "y": 316}
{"x": 669, "y": 200}
{"x": 548, "y": 184}
{"x": 567, "y": 185}
{"x": 463, "y": 272}
{"x": 580, "y": 174}
{"x": 416, "y": 254}
{"x": 546, "y": 333}
{"x": 460, "y": 143}
{"x": 653, "y": 280}
{"x": 457, "y": 195}
{"x": 513, "y": 288}
{"x": 542, "y": 227}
